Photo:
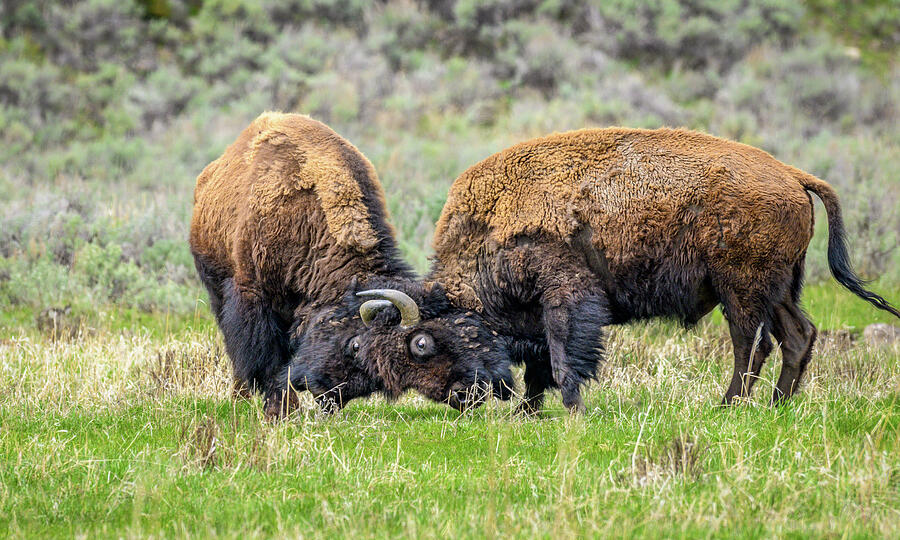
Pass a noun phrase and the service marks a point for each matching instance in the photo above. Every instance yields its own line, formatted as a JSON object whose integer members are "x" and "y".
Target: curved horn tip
{"x": 409, "y": 310}
{"x": 374, "y": 293}
{"x": 370, "y": 309}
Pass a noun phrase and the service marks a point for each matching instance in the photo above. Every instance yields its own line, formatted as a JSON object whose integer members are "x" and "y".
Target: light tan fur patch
{"x": 311, "y": 158}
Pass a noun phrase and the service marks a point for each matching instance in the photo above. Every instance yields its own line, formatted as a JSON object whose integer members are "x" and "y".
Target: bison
{"x": 290, "y": 237}
{"x": 555, "y": 238}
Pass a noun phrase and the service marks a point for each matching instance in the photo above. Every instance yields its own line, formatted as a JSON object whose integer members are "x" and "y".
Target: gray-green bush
{"x": 109, "y": 110}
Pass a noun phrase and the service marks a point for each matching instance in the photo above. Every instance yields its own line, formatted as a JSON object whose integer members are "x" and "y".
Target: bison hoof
{"x": 279, "y": 405}
{"x": 528, "y": 409}
{"x": 328, "y": 405}
{"x": 577, "y": 408}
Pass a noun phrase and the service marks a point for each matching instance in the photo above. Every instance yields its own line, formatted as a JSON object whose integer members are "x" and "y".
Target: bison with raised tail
{"x": 289, "y": 225}
{"x": 557, "y": 237}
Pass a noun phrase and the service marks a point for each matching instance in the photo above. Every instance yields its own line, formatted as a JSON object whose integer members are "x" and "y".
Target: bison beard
{"x": 556, "y": 237}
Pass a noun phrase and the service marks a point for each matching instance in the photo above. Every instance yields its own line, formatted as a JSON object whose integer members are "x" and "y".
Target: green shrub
{"x": 869, "y": 24}
{"x": 165, "y": 254}
{"x": 37, "y": 284}
{"x": 351, "y": 13}
{"x": 695, "y": 34}
{"x": 109, "y": 110}
{"x": 83, "y": 35}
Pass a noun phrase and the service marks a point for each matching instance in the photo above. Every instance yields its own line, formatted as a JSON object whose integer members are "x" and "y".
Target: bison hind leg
{"x": 747, "y": 343}
{"x": 749, "y": 315}
{"x": 254, "y": 337}
{"x": 755, "y": 312}
{"x": 797, "y": 335}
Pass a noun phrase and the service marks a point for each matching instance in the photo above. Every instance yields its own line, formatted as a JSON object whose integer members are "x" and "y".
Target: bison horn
{"x": 409, "y": 311}
{"x": 370, "y": 309}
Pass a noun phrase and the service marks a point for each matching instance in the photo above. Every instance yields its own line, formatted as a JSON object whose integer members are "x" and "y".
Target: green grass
{"x": 125, "y": 426}
{"x": 134, "y": 434}
{"x": 831, "y": 306}
{"x": 21, "y": 321}
{"x": 638, "y": 468}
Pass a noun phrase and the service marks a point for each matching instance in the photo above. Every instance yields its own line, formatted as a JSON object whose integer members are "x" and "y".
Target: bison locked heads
{"x": 288, "y": 225}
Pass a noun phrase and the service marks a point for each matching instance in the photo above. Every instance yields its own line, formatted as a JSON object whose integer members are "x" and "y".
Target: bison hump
{"x": 287, "y": 157}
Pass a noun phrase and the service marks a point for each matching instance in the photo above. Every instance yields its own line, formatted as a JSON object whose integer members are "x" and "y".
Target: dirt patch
{"x": 59, "y": 323}
{"x": 881, "y": 334}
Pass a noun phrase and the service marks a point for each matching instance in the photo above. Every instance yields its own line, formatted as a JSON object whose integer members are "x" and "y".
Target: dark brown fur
{"x": 555, "y": 237}
{"x": 289, "y": 223}
{"x": 284, "y": 222}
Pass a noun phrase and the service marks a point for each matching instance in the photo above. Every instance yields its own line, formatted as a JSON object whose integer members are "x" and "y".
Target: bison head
{"x": 381, "y": 341}
{"x": 445, "y": 353}
{"x": 326, "y": 360}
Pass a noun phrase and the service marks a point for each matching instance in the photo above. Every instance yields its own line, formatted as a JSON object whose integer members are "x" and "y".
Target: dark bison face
{"x": 326, "y": 357}
{"x": 447, "y": 354}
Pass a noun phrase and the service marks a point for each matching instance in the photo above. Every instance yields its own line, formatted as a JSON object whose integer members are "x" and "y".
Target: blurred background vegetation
{"x": 110, "y": 108}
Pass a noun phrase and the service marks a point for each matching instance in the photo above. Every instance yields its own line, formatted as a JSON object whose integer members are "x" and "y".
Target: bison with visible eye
{"x": 446, "y": 353}
{"x": 289, "y": 224}
{"x": 460, "y": 364}
{"x": 554, "y": 238}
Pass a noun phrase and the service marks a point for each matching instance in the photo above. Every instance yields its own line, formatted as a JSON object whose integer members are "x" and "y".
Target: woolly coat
{"x": 643, "y": 202}
{"x": 287, "y": 223}
{"x": 293, "y": 212}
{"x": 555, "y": 238}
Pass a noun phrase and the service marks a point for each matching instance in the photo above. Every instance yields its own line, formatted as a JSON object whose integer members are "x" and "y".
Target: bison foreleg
{"x": 538, "y": 378}
{"x": 573, "y": 324}
{"x": 254, "y": 338}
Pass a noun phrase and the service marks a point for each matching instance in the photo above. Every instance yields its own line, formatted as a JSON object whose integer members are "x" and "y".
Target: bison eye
{"x": 353, "y": 347}
{"x": 421, "y": 345}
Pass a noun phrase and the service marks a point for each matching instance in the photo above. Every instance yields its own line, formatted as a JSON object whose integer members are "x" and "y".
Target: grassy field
{"x": 133, "y": 433}
{"x": 116, "y": 418}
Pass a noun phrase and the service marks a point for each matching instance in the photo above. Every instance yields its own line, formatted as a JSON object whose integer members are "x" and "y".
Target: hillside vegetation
{"x": 116, "y": 413}
{"x": 109, "y": 109}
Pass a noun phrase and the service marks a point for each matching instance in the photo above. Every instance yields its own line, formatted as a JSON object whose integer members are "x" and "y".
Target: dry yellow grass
{"x": 129, "y": 435}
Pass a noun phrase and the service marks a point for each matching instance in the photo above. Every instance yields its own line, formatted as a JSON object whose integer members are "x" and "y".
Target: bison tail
{"x": 838, "y": 259}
